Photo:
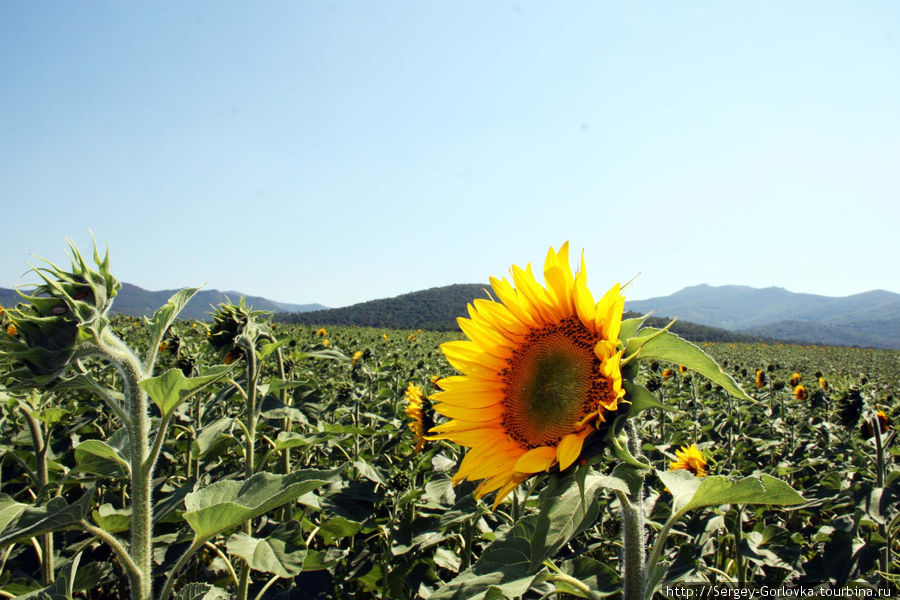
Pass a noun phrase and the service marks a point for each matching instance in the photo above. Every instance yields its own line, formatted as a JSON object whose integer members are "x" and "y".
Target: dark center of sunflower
{"x": 553, "y": 381}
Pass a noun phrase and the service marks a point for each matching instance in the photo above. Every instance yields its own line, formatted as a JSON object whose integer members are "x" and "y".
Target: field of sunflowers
{"x": 548, "y": 450}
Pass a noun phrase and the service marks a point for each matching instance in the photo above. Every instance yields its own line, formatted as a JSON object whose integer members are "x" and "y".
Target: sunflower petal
{"x": 569, "y": 449}
{"x": 536, "y": 460}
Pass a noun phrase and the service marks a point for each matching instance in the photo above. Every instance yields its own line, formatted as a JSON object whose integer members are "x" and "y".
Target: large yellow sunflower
{"x": 539, "y": 372}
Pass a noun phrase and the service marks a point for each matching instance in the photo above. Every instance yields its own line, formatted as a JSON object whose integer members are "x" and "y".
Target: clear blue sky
{"x": 339, "y": 152}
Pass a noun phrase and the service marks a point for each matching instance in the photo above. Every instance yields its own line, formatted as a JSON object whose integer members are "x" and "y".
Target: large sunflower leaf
{"x": 691, "y": 492}
{"x": 21, "y": 521}
{"x": 172, "y": 388}
{"x": 281, "y": 553}
{"x": 502, "y": 571}
{"x": 664, "y": 345}
{"x": 569, "y": 506}
{"x": 228, "y": 503}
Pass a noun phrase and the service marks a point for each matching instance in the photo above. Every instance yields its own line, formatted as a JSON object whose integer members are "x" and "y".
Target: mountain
{"x": 437, "y": 309}
{"x": 867, "y": 319}
{"x": 133, "y": 300}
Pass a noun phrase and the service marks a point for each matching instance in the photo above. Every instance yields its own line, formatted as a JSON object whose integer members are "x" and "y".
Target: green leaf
{"x": 601, "y": 579}
{"x": 292, "y": 439}
{"x": 113, "y": 520}
{"x": 268, "y": 348}
{"x": 210, "y": 435}
{"x": 62, "y": 586}
{"x": 503, "y": 568}
{"x": 281, "y": 553}
{"x": 21, "y": 521}
{"x": 228, "y": 503}
{"x": 630, "y": 327}
{"x": 568, "y": 506}
{"x": 172, "y": 388}
{"x": 165, "y": 315}
{"x": 664, "y": 345}
{"x": 691, "y": 492}
{"x": 642, "y": 399}
{"x": 99, "y": 458}
{"x": 51, "y": 415}
{"x": 201, "y": 591}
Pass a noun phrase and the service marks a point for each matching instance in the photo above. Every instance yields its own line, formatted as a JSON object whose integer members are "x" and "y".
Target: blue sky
{"x": 339, "y": 152}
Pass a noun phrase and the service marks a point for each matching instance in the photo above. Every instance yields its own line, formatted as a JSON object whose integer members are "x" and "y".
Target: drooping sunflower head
{"x": 867, "y": 429}
{"x": 760, "y": 378}
{"x": 689, "y": 458}
{"x": 540, "y": 372}
{"x": 418, "y": 408}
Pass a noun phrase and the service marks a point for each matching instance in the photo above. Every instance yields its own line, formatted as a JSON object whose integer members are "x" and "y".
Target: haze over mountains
{"x": 870, "y": 319}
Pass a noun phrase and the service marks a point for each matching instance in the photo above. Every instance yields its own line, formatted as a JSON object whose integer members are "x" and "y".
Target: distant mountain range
{"x": 437, "y": 309}
{"x": 867, "y": 319}
{"x": 705, "y": 313}
{"x": 133, "y": 300}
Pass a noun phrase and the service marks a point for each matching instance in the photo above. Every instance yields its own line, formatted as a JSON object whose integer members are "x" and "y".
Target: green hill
{"x": 437, "y": 309}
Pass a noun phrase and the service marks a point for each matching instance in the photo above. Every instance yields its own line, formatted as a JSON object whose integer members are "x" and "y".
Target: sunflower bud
{"x": 233, "y": 323}
{"x": 69, "y": 307}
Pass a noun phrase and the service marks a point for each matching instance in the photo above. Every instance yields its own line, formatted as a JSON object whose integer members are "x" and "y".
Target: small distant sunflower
{"x": 823, "y": 384}
{"x": 419, "y": 410}
{"x": 11, "y": 330}
{"x": 800, "y": 392}
{"x": 540, "y": 372}
{"x": 357, "y": 355}
{"x": 322, "y": 332}
{"x": 682, "y": 369}
{"x": 667, "y": 374}
{"x": 691, "y": 459}
{"x": 325, "y": 342}
{"x": 760, "y": 378}
{"x": 795, "y": 379}
{"x": 868, "y": 427}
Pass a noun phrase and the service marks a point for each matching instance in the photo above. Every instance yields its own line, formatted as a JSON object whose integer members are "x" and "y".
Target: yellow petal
{"x": 559, "y": 280}
{"x": 486, "y": 414}
{"x": 470, "y": 400}
{"x": 510, "y": 298}
{"x": 528, "y": 287}
{"x": 569, "y": 449}
{"x": 489, "y": 340}
{"x": 584, "y": 300}
{"x": 536, "y": 459}
{"x": 602, "y": 310}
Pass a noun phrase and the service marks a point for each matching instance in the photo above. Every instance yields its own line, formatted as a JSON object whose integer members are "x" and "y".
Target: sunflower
{"x": 322, "y": 332}
{"x": 867, "y": 430}
{"x": 795, "y": 379}
{"x": 419, "y": 410}
{"x": 356, "y": 356}
{"x": 540, "y": 372}
{"x": 691, "y": 459}
{"x": 822, "y": 383}
{"x": 760, "y": 378}
{"x": 800, "y": 393}
{"x": 667, "y": 374}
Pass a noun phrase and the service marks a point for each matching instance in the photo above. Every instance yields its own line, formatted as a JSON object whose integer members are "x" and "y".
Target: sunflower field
{"x": 550, "y": 449}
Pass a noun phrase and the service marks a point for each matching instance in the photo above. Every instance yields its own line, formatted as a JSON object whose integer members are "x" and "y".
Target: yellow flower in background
{"x": 326, "y": 343}
{"x": 691, "y": 459}
{"x": 163, "y": 345}
{"x": 539, "y": 372}
{"x": 356, "y": 356}
{"x": 795, "y": 380}
{"x": 822, "y": 383}
{"x": 667, "y": 373}
{"x": 415, "y": 410}
{"x": 760, "y": 378}
{"x": 682, "y": 369}
{"x": 11, "y": 330}
{"x": 800, "y": 393}
{"x": 384, "y": 336}
{"x": 322, "y": 332}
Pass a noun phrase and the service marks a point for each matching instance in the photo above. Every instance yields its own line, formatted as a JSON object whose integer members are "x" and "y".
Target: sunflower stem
{"x": 633, "y": 539}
